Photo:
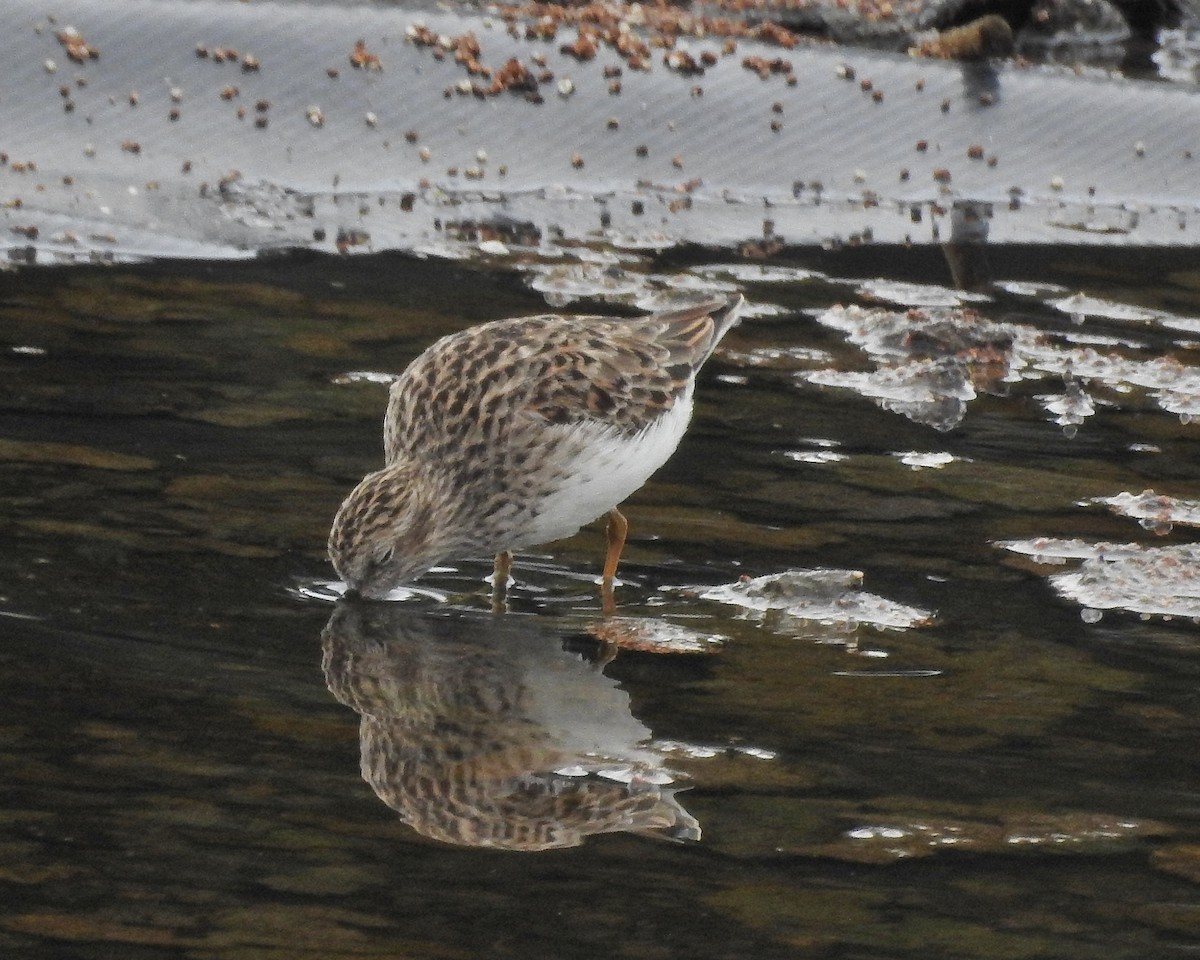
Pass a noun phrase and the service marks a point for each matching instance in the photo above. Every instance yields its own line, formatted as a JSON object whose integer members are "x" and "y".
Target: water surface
{"x": 951, "y": 755}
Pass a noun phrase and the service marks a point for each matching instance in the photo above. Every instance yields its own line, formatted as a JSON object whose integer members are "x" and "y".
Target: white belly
{"x": 605, "y": 469}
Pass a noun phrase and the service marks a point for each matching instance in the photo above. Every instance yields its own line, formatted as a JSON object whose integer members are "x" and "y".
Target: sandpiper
{"x": 518, "y": 432}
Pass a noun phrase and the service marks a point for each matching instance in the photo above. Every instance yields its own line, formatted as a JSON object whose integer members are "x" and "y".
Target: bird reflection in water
{"x": 487, "y": 732}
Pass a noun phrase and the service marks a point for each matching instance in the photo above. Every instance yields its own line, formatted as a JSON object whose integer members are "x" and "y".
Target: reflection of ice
{"x": 931, "y": 361}
{"x": 922, "y": 333}
{"x": 608, "y": 280}
{"x": 1174, "y": 387}
{"x": 1177, "y": 55}
{"x": 1154, "y": 510}
{"x": 884, "y": 840}
{"x": 777, "y": 358}
{"x": 933, "y": 392}
{"x": 696, "y": 751}
{"x": 333, "y": 590}
{"x": 832, "y": 597}
{"x": 652, "y": 635}
{"x": 1071, "y": 407}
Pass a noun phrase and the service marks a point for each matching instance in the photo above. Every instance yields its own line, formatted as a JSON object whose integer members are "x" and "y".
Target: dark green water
{"x": 180, "y": 730}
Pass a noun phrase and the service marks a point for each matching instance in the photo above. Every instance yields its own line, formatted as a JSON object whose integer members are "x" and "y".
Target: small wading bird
{"x": 518, "y": 432}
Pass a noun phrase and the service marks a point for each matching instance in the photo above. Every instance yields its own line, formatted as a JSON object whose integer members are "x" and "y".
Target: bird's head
{"x": 385, "y": 532}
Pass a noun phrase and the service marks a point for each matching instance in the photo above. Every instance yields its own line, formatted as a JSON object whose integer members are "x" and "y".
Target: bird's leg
{"x": 500, "y": 572}
{"x": 615, "y": 532}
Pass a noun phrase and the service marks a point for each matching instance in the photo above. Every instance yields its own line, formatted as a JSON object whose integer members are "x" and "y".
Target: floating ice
{"x": 364, "y": 376}
{"x": 925, "y": 461}
{"x": 917, "y": 294}
{"x": 1154, "y": 510}
{"x": 1037, "y": 290}
{"x": 825, "y": 452}
{"x": 815, "y": 456}
{"x": 824, "y": 596}
{"x": 756, "y": 273}
{"x": 1082, "y": 305}
{"x": 563, "y": 284}
{"x": 1054, "y": 551}
{"x": 931, "y": 361}
{"x": 1160, "y": 581}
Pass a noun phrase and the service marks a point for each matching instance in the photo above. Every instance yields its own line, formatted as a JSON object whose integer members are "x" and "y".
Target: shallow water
{"x": 951, "y": 755}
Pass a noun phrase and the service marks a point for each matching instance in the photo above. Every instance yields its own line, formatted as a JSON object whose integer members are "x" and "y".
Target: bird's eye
{"x": 386, "y": 556}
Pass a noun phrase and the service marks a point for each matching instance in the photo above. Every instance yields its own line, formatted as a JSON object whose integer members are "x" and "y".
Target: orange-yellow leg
{"x": 615, "y": 532}
{"x": 500, "y": 571}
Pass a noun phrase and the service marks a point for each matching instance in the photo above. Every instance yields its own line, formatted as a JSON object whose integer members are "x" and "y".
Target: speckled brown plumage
{"x": 518, "y": 432}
